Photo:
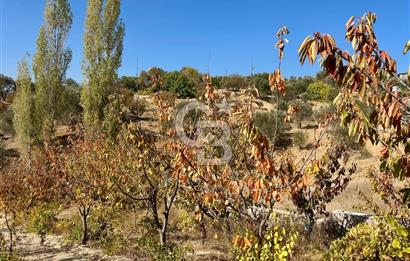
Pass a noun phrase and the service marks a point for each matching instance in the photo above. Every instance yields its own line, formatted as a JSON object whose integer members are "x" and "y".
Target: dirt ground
{"x": 28, "y": 246}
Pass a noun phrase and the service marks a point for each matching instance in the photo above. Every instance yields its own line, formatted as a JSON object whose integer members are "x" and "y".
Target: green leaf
{"x": 402, "y": 231}
{"x": 396, "y": 243}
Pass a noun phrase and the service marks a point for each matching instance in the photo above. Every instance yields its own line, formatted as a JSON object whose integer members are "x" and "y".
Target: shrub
{"x": 305, "y": 97}
{"x": 304, "y": 112}
{"x": 163, "y": 252}
{"x": 146, "y": 91}
{"x": 70, "y": 229}
{"x": 296, "y": 87}
{"x": 276, "y": 244}
{"x": 234, "y": 82}
{"x": 168, "y": 98}
{"x": 262, "y": 84}
{"x": 321, "y": 91}
{"x": 339, "y": 133}
{"x": 128, "y": 82}
{"x": 179, "y": 84}
{"x": 387, "y": 240}
{"x": 5, "y": 255}
{"x": 6, "y": 121}
{"x": 266, "y": 123}
{"x": 132, "y": 107}
{"x": 283, "y": 105}
{"x": 299, "y": 139}
{"x": 105, "y": 230}
{"x": 42, "y": 221}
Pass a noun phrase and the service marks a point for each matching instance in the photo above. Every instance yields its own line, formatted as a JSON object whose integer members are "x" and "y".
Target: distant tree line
{"x": 186, "y": 82}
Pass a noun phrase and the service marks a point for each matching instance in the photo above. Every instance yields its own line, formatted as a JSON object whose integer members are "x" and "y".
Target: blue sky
{"x": 234, "y": 33}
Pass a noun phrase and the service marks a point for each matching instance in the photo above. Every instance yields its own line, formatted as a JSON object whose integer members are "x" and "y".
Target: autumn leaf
{"x": 406, "y": 47}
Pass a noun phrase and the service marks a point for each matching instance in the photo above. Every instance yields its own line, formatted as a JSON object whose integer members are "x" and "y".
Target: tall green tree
{"x": 103, "y": 44}
{"x": 50, "y": 63}
{"x": 23, "y": 107}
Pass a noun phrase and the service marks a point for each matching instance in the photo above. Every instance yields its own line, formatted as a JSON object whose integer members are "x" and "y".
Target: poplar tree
{"x": 103, "y": 44}
{"x": 23, "y": 107}
{"x": 50, "y": 64}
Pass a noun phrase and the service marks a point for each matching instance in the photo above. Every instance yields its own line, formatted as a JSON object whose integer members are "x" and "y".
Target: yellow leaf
{"x": 351, "y": 128}
{"x": 314, "y": 51}
{"x": 349, "y": 22}
{"x": 396, "y": 243}
{"x": 304, "y": 43}
{"x": 406, "y": 47}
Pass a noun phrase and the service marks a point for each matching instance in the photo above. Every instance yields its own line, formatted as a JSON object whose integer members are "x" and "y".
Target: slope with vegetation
{"x": 102, "y": 163}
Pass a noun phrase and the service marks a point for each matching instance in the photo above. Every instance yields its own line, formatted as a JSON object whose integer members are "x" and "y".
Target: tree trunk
{"x": 84, "y": 240}
{"x": 163, "y": 231}
{"x": 203, "y": 230}
{"x": 84, "y": 220}
{"x": 10, "y": 229}
{"x": 134, "y": 210}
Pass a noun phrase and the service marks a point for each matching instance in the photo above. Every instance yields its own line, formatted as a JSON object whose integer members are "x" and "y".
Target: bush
{"x": 161, "y": 252}
{"x": 42, "y": 221}
{"x": 179, "y": 84}
{"x": 235, "y": 82}
{"x": 339, "y": 133}
{"x": 283, "y": 105}
{"x": 306, "y": 97}
{"x": 146, "y": 91}
{"x": 6, "y": 121}
{"x": 168, "y": 98}
{"x": 304, "y": 112}
{"x": 105, "y": 230}
{"x": 132, "y": 107}
{"x": 262, "y": 84}
{"x": 128, "y": 82}
{"x": 276, "y": 244}
{"x": 321, "y": 91}
{"x": 299, "y": 139}
{"x": 296, "y": 86}
{"x": 5, "y": 255}
{"x": 387, "y": 240}
{"x": 266, "y": 123}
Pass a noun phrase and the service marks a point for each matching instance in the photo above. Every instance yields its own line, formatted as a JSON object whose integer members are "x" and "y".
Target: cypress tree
{"x": 50, "y": 64}
{"x": 23, "y": 107}
{"x": 103, "y": 44}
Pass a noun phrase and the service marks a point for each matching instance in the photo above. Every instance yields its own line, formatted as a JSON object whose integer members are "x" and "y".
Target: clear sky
{"x": 234, "y": 33}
